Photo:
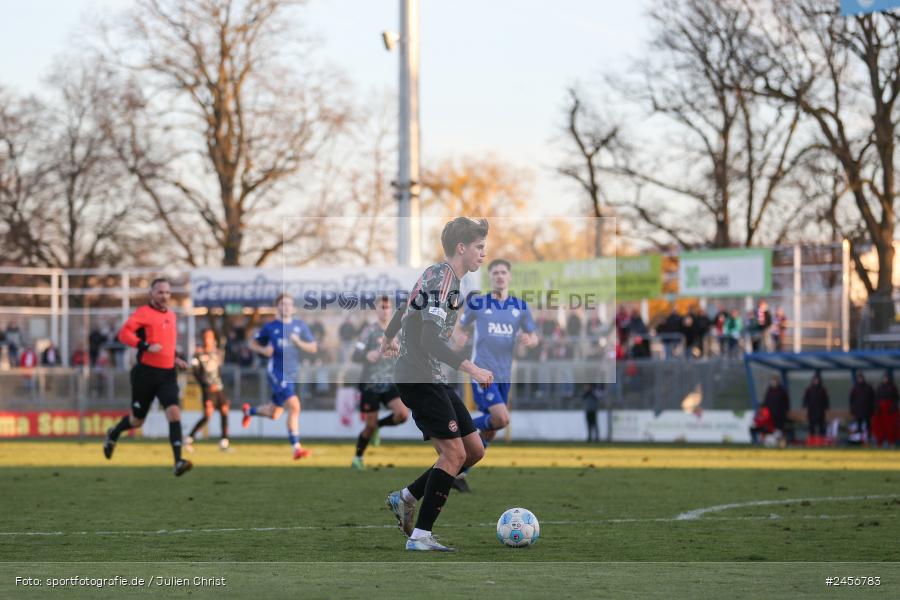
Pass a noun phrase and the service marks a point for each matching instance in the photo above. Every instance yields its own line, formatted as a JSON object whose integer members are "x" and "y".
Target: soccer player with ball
{"x": 281, "y": 340}
{"x": 425, "y": 324}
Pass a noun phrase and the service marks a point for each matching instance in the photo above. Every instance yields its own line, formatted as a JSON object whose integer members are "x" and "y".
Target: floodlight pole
{"x": 408, "y": 224}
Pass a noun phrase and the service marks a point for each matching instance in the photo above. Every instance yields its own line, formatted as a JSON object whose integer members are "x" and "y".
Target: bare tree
{"x": 218, "y": 121}
{"x": 598, "y": 150}
{"x": 24, "y": 180}
{"x": 362, "y": 177}
{"x": 63, "y": 200}
{"x": 726, "y": 155}
{"x": 97, "y": 217}
{"x": 472, "y": 186}
{"x": 843, "y": 74}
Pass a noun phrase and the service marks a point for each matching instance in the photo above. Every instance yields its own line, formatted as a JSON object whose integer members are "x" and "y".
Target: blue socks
{"x": 483, "y": 423}
{"x": 252, "y": 410}
{"x": 294, "y": 438}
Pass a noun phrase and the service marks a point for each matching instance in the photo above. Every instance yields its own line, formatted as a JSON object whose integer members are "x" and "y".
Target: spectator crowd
{"x": 873, "y": 417}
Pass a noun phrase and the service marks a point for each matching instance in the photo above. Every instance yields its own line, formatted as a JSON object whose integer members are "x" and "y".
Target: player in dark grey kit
{"x": 377, "y": 382}
{"x": 207, "y": 367}
{"x": 425, "y": 324}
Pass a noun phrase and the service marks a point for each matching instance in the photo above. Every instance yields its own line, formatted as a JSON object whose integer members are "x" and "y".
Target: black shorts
{"x": 148, "y": 383}
{"x": 371, "y": 401}
{"x": 437, "y": 410}
{"x": 218, "y": 399}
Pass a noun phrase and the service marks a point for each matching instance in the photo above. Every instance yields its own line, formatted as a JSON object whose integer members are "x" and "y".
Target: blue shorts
{"x": 281, "y": 390}
{"x": 497, "y": 393}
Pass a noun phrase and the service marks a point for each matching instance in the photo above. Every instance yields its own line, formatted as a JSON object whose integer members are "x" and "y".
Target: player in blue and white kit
{"x": 497, "y": 320}
{"x": 281, "y": 340}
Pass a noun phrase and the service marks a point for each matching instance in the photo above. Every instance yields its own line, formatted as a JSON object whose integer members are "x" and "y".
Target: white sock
{"x": 419, "y": 533}
{"x": 407, "y": 497}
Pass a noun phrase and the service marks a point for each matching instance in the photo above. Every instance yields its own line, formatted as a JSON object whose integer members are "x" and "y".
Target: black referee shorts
{"x": 372, "y": 399}
{"x": 437, "y": 410}
{"x": 148, "y": 383}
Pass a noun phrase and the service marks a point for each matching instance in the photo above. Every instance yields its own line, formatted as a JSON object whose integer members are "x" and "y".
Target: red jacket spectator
{"x": 28, "y": 359}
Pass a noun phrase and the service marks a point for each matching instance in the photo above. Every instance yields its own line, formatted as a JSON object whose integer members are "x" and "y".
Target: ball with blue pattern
{"x": 518, "y": 527}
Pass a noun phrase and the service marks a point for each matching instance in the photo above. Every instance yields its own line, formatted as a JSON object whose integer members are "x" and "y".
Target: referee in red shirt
{"x": 152, "y": 330}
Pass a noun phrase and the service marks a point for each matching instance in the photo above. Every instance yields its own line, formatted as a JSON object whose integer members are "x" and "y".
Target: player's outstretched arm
{"x": 199, "y": 373}
{"x": 359, "y": 352}
{"x": 390, "y": 347}
{"x": 396, "y": 321}
{"x": 439, "y": 349}
{"x": 310, "y": 347}
{"x": 266, "y": 350}
{"x": 484, "y": 377}
{"x": 529, "y": 340}
{"x": 128, "y": 335}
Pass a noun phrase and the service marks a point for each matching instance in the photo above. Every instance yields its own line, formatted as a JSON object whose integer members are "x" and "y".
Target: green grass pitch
{"x": 273, "y": 528}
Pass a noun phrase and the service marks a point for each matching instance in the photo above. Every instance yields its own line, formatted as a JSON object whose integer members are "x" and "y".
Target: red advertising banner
{"x": 57, "y": 423}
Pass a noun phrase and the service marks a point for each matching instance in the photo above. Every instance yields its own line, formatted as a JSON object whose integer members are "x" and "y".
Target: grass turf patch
{"x": 319, "y": 526}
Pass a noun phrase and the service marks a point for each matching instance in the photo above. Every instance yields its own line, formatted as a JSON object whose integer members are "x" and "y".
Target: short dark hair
{"x": 384, "y": 298}
{"x": 462, "y": 230}
{"x": 281, "y": 297}
{"x": 159, "y": 280}
{"x": 499, "y": 261}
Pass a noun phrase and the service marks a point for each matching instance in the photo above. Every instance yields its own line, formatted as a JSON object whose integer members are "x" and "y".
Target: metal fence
{"x": 548, "y": 385}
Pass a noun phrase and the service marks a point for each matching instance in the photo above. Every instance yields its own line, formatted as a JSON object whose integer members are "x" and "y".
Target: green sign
{"x": 638, "y": 277}
{"x": 603, "y": 279}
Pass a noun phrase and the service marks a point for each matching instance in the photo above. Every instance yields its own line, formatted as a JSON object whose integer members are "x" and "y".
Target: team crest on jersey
{"x": 515, "y": 312}
{"x": 500, "y": 329}
{"x": 453, "y": 426}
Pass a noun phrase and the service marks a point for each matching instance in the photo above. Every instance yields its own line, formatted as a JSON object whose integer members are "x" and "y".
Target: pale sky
{"x": 493, "y": 72}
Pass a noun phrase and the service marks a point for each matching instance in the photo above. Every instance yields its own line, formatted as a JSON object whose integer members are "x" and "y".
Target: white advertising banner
{"x": 709, "y": 426}
{"x": 542, "y": 425}
{"x": 312, "y": 288}
{"x": 725, "y": 273}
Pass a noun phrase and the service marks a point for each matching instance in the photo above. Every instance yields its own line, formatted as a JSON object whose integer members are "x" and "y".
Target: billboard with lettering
{"x": 743, "y": 272}
{"x": 57, "y": 423}
{"x": 312, "y": 288}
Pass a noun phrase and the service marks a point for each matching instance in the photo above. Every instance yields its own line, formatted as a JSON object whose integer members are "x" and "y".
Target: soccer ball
{"x": 518, "y": 527}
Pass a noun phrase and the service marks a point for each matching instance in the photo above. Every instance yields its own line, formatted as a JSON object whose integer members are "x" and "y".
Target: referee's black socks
{"x": 123, "y": 425}
{"x": 175, "y": 438}
{"x": 437, "y": 489}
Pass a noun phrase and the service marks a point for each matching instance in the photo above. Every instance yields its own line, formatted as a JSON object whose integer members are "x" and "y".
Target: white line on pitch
{"x": 693, "y": 515}
{"x": 327, "y": 527}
